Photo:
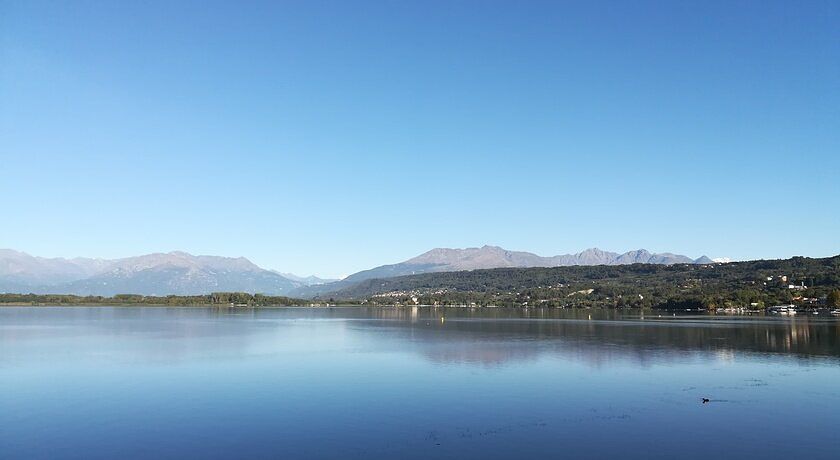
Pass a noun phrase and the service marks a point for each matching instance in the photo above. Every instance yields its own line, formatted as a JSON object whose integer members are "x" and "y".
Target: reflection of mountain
{"x": 493, "y": 337}
{"x": 480, "y": 337}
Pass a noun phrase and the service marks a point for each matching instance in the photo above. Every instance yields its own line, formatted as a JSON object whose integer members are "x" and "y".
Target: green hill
{"x": 754, "y": 283}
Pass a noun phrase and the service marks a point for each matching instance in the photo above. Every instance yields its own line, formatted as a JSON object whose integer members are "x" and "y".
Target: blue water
{"x": 404, "y": 383}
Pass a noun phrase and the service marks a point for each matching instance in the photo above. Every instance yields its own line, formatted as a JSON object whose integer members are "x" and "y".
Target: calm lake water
{"x": 388, "y": 383}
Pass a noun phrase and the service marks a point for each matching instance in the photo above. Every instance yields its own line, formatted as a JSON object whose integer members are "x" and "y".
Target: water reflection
{"x": 487, "y": 337}
{"x": 491, "y": 336}
{"x": 412, "y": 383}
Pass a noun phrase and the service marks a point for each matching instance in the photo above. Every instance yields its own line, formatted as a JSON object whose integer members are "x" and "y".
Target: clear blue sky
{"x": 328, "y": 137}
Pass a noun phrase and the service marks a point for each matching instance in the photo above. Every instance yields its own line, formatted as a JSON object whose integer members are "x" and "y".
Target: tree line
{"x": 216, "y": 298}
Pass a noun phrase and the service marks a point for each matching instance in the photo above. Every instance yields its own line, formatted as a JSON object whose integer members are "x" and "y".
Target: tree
{"x": 834, "y": 298}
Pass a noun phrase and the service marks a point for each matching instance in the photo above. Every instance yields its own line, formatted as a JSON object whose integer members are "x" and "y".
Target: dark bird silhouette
{"x": 705, "y": 400}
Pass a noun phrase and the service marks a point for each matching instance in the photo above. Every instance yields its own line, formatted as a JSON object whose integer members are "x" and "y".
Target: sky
{"x": 332, "y": 136}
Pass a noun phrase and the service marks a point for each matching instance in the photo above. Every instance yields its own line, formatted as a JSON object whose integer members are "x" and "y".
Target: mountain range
{"x": 152, "y": 274}
{"x": 448, "y": 259}
{"x": 311, "y": 280}
{"x": 181, "y": 273}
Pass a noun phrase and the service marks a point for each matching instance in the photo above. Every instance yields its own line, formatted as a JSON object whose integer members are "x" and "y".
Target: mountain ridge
{"x": 181, "y": 273}
{"x": 487, "y": 257}
{"x": 310, "y": 280}
{"x": 174, "y": 272}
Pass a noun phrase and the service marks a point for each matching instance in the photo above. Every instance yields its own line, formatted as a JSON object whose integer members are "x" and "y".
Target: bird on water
{"x": 705, "y": 400}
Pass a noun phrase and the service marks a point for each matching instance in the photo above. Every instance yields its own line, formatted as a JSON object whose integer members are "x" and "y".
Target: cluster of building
{"x": 783, "y": 280}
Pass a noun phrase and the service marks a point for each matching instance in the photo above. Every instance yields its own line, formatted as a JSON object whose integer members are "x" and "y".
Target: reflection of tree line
{"x": 498, "y": 335}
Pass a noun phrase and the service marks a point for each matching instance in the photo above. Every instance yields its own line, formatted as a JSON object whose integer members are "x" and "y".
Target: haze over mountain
{"x": 310, "y": 280}
{"x": 152, "y": 274}
{"x": 185, "y": 274}
{"x": 21, "y": 268}
{"x": 449, "y": 259}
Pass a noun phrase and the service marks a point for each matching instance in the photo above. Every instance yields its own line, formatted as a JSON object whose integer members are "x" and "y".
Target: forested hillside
{"x": 745, "y": 284}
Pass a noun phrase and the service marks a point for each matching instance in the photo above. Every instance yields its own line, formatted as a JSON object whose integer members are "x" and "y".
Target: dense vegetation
{"x": 217, "y": 298}
{"x": 753, "y": 284}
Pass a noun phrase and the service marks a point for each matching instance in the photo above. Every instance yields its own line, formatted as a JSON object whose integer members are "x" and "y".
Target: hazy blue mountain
{"x": 641, "y": 256}
{"x": 23, "y": 269}
{"x": 185, "y": 274}
{"x": 311, "y": 280}
{"x": 151, "y": 274}
{"x": 592, "y": 256}
{"x": 449, "y": 259}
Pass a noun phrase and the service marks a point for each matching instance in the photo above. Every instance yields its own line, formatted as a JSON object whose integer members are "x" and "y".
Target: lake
{"x": 404, "y": 383}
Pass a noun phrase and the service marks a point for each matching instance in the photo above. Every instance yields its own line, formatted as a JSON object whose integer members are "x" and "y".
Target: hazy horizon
{"x": 331, "y": 138}
{"x": 320, "y": 274}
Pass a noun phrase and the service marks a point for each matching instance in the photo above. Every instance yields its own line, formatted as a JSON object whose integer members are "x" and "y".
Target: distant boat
{"x": 835, "y": 311}
{"x": 788, "y": 310}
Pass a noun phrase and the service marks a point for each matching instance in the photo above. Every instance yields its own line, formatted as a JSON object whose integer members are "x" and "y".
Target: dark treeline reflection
{"x": 497, "y": 335}
{"x": 488, "y": 336}
{"x": 413, "y": 383}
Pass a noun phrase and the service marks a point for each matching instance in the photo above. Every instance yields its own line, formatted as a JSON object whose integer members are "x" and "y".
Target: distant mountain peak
{"x": 179, "y": 272}
{"x": 174, "y": 272}
{"x": 592, "y": 251}
{"x": 490, "y": 256}
{"x": 310, "y": 280}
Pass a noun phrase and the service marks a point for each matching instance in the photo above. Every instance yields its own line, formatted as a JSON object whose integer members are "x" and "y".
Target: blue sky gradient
{"x": 328, "y": 137}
